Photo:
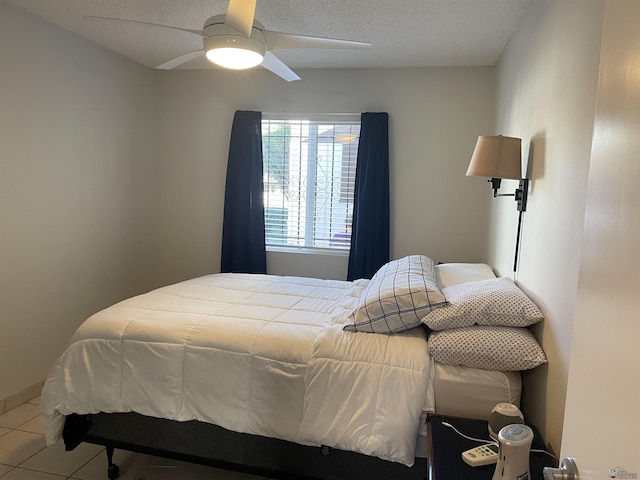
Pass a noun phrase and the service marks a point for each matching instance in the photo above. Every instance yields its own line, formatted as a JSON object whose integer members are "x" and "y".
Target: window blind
{"x": 309, "y": 176}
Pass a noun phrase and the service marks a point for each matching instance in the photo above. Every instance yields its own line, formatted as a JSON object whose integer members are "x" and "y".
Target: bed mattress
{"x": 472, "y": 392}
{"x": 257, "y": 354}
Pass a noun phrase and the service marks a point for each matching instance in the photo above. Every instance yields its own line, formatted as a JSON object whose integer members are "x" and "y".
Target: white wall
{"x": 76, "y": 144}
{"x": 435, "y": 118}
{"x": 545, "y": 94}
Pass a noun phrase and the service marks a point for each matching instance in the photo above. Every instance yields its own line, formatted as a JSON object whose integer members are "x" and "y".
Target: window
{"x": 309, "y": 177}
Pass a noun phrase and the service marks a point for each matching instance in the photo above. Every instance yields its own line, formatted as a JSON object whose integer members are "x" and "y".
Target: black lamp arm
{"x": 520, "y": 194}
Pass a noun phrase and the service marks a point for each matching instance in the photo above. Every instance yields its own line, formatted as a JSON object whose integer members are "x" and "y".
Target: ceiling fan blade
{"x": 240, "y": 15}
{"x": 176, "y": 62}
{"x": 200, "y": 33}
{"x": 275, "y": 65}
{"x": 288, "y": 41}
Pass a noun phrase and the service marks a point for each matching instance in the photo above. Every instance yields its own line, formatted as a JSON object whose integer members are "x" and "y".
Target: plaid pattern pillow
{"x": 398, "y": 296}
{"x": 496, "y": 301}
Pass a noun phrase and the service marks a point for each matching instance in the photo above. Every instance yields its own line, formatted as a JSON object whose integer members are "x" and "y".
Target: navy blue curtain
{"x": 370, "y": 229}
{"x": 243, "y": 240}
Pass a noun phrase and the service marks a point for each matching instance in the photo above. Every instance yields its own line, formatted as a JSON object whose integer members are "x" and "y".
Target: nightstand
{"x": 446, "y": 447}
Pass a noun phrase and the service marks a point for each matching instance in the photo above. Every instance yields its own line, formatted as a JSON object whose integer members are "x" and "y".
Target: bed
{"x": 286, "y": 377}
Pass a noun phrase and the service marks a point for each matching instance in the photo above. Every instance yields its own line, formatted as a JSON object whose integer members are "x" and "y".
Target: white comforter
{"x": 252, "y": 353}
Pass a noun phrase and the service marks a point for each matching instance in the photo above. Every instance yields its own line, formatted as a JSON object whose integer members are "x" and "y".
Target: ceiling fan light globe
{"x": 233, "y": 50}
{"x": 234, "y": 58}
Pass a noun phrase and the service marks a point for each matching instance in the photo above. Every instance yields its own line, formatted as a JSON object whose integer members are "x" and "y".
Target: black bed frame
{"x": 212, "y": 445}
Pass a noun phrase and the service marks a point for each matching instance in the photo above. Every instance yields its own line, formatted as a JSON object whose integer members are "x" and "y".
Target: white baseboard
{"x": 19, "y": 398}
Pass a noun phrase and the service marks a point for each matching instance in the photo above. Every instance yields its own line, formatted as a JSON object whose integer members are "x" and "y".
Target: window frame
{"x": 330, "y": 118}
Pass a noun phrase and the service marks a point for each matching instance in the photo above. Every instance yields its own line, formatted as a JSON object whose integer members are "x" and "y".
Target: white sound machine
{"x": 513, "y": 453}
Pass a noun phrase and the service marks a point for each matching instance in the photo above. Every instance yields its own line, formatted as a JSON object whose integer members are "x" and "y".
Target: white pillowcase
{"x": 489, "y": 348}
{"x": 398, "y": 296}
{"x": 495, "y": 301}
{"x": 448, "y": 274}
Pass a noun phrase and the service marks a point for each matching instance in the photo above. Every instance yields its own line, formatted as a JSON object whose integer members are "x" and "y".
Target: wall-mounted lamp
{"x": 498, "y": 157}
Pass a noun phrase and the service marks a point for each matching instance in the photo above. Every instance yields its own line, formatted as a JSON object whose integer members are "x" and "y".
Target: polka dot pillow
{"x": 487, "y": 347}
{"x": 495, "y": 301}
{"x": 398, "y": 296}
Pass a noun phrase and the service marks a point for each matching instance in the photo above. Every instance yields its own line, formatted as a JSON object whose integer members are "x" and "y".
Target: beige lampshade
{"x": 496, "y": 157}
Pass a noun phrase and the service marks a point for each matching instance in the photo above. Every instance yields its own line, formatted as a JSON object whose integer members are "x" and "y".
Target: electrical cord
{"x": 447, "y": 424}
{"x": 481, "y": 440}
{"x": 535, "y": 450}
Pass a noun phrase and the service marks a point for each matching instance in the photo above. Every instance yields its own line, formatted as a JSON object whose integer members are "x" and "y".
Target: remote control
{"x": 482, "y": 455}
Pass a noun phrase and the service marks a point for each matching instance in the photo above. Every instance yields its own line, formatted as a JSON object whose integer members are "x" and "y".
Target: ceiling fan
{"x": 236, "y": 40}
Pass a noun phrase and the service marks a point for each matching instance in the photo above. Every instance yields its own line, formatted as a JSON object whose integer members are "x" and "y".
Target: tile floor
{"x": 25, "y": 456}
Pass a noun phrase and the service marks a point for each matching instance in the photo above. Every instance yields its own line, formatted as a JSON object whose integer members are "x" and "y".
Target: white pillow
{"x": 489, "y": 348}
{"x": 448, "y": 274}
{"x": 496, "y": 301}
{"x": 398, "y": 296}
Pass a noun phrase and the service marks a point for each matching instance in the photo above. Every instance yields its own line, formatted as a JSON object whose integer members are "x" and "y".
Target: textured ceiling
{"x": 407, "y": 33}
